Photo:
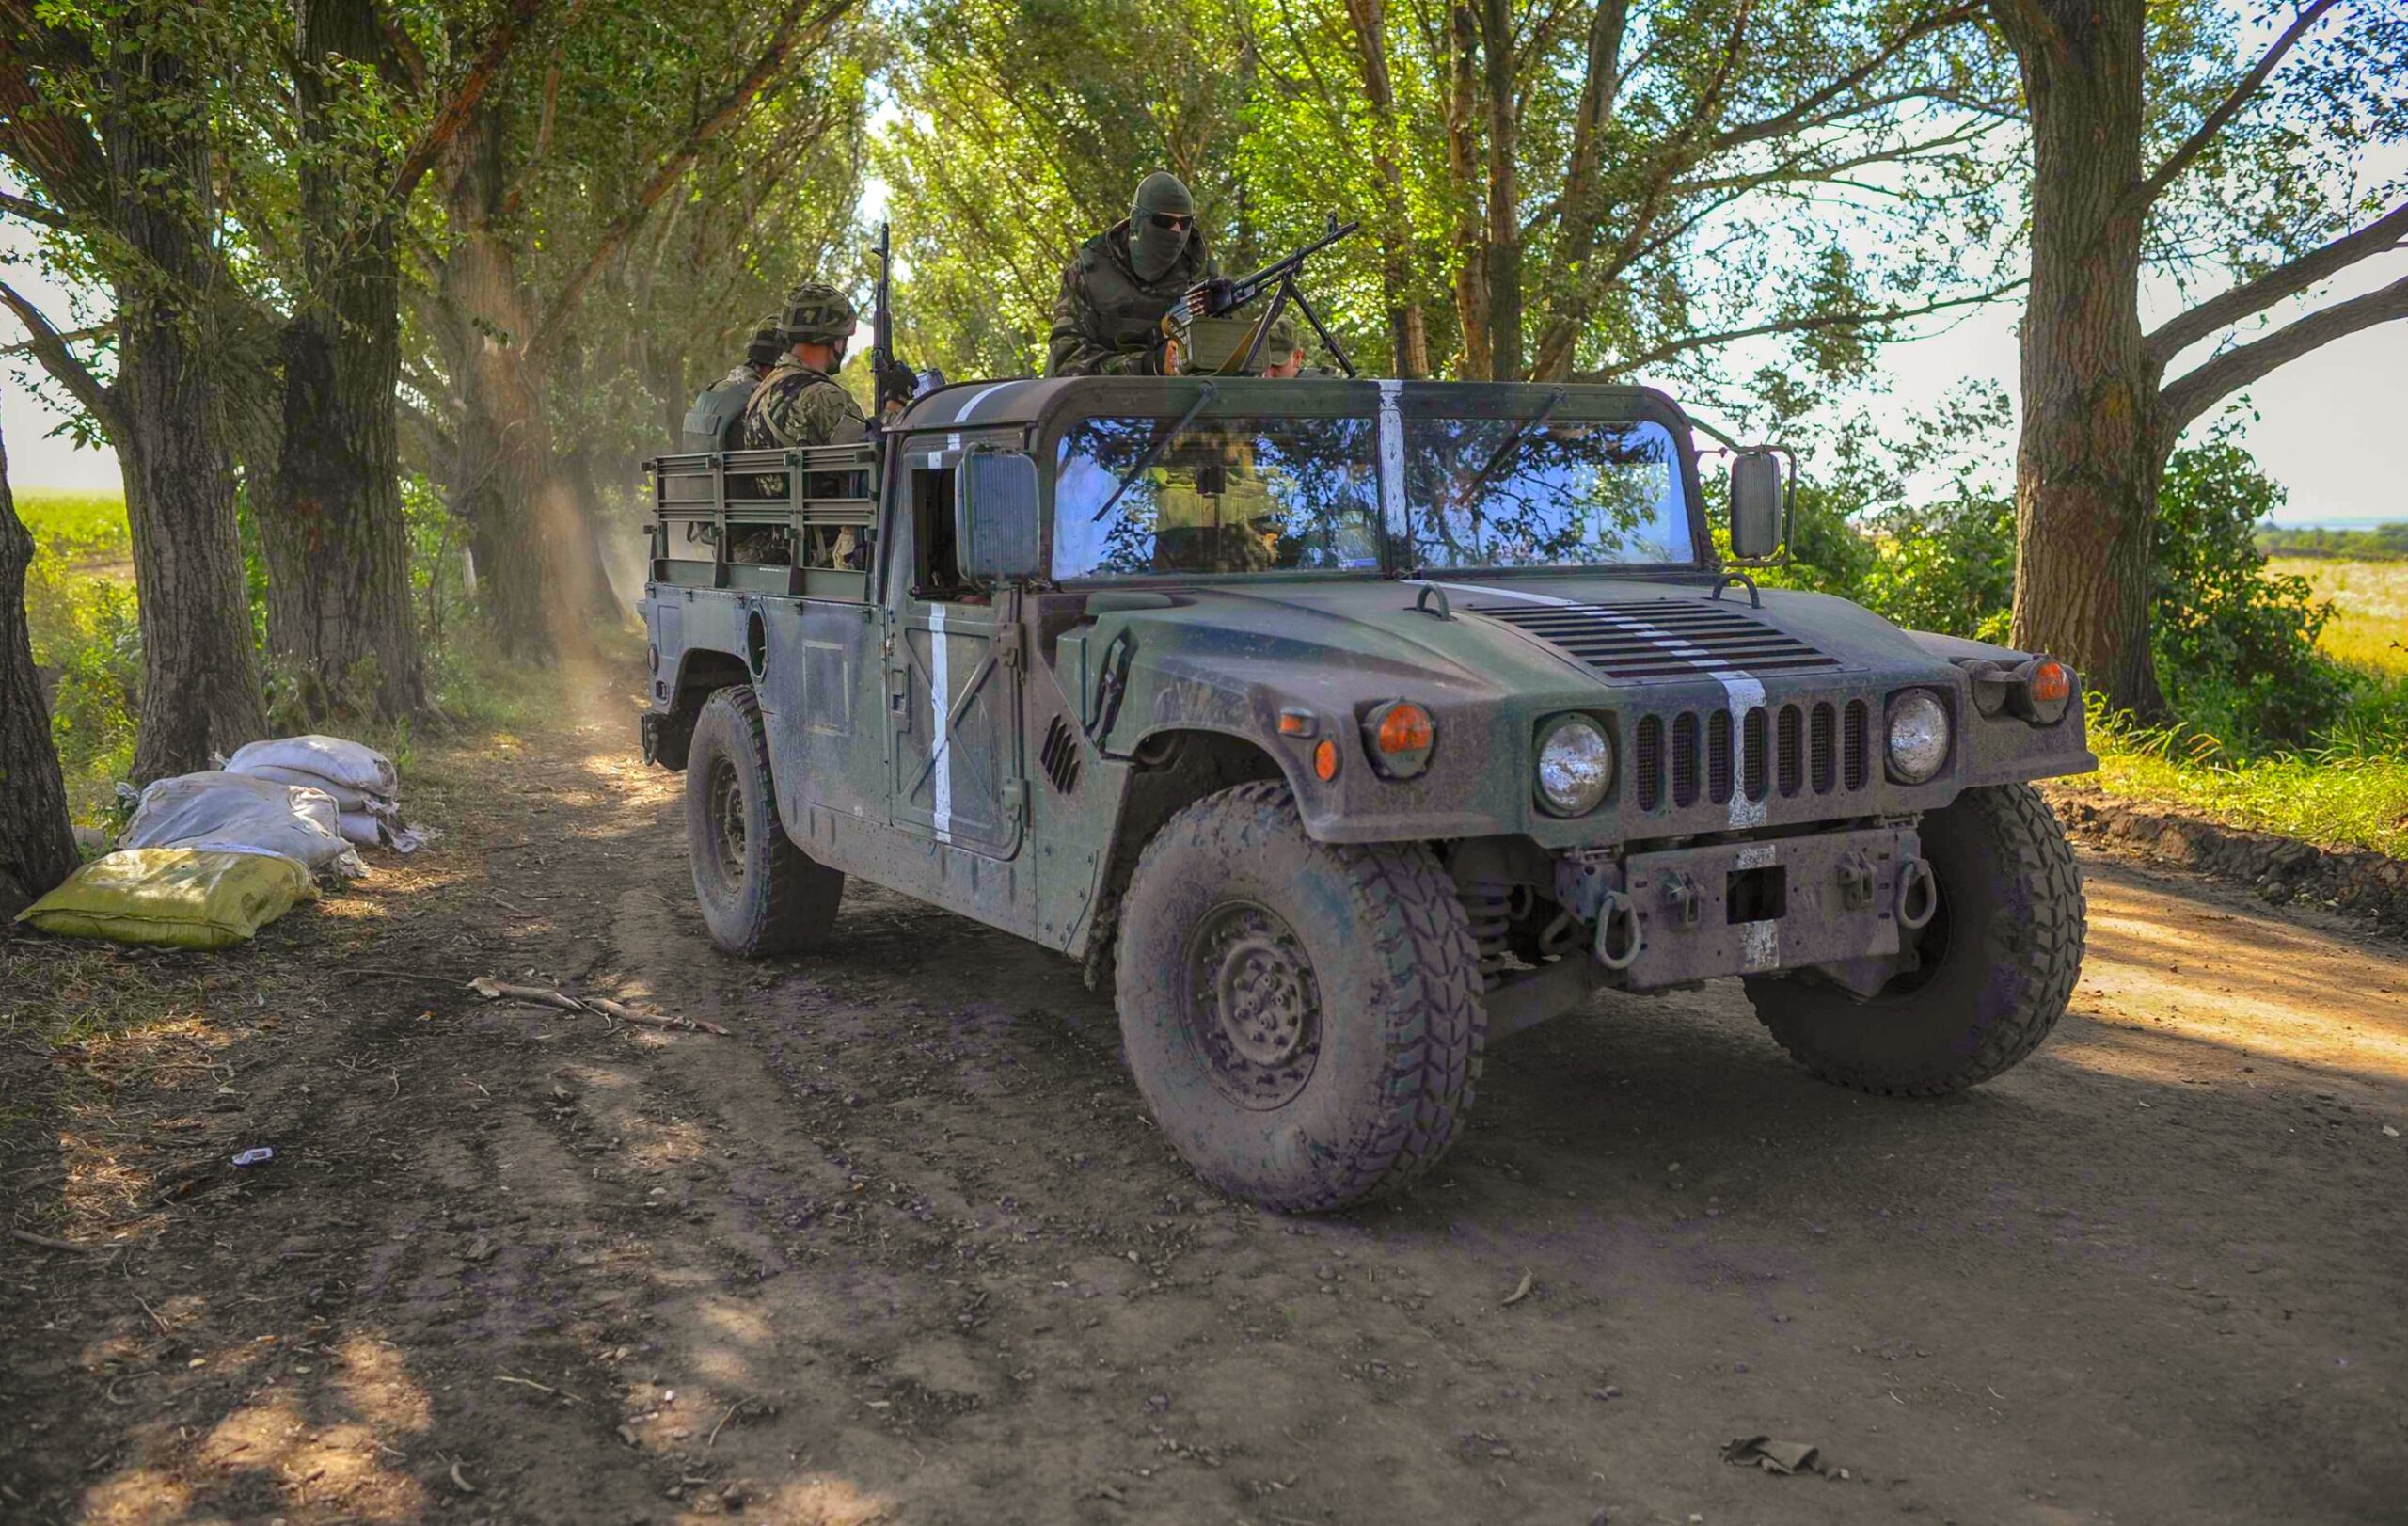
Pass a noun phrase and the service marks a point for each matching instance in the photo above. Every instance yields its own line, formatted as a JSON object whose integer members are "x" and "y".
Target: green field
{"x": 78, "y": 518}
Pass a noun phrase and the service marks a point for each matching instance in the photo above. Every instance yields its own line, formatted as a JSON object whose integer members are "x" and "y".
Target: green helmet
{"x": 817, "y": 314}
{"x": 1284, "y": 340}
{"x": 765, "y": 343}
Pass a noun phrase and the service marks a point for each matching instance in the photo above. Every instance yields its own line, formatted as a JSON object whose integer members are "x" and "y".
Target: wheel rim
{"x": 725, "y": 813}
{"x": 1251, "y": 1005}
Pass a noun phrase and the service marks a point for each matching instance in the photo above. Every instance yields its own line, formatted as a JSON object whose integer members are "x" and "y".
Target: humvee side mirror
{"x": 1756, "y": 505}
{"x": 995, "y": 515}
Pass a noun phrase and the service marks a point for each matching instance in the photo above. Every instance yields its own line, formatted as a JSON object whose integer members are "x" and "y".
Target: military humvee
{"x": 1346, "y": 726}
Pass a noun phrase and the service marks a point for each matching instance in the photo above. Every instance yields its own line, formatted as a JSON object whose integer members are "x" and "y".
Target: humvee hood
{"x": 1499, "y": 636}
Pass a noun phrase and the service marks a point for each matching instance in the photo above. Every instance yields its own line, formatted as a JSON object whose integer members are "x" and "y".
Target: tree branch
{"x": 2210, "y": 381}
{"x": 2214, "y": 123}
{"x": 1811, "y": 324}
{"x": 471, "y": 89}
{"x": 2178, "y": 333}
{"x": 730, "y": 109}
{"x": 1785, "y": 122}
{"x": 50, "y": 346}
{"x": 32, "y": 211}
{"x": 72, "y": 335}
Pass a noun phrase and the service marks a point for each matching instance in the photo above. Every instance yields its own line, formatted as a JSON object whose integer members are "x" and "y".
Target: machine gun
{"x": 897, "y": 383}
{"x": 1217, "y": 298}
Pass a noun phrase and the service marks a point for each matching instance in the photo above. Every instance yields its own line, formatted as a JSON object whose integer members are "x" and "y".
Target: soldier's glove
{"x": 894, "y": 378}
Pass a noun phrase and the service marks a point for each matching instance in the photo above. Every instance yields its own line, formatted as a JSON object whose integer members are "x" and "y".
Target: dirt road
{"x": 903, "y": 1248}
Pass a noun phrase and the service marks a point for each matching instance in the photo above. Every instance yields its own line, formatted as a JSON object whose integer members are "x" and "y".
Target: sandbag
{"x": 353, "y": 766}
{"x": 370, "y": 830}
{"x": 346, "y": 797}
{"x": 229, "y": 811}
{"x": 183, "y": 896}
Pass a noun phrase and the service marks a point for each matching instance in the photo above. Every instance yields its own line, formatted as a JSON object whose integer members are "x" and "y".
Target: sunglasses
{"x": 1172, "y": 221}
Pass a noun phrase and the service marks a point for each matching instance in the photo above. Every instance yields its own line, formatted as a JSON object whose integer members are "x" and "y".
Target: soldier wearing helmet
{"x": 711, "y": 423}
{"x": 800, "y": 403}
{"x": 1108, "y": 319}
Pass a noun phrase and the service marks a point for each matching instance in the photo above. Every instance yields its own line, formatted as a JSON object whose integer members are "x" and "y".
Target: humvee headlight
{"x": 1918, "y": 736}
{"x": 1575, "y": 765}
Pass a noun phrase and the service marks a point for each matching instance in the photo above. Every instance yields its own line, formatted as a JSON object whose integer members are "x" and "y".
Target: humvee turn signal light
{"x": 1400, "y": 735}
{"x": 1325, "y": 760}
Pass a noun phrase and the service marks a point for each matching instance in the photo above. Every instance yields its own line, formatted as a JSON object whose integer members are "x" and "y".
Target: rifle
{"x": 1214, "y": 298}
{"x": 894, "y": 380}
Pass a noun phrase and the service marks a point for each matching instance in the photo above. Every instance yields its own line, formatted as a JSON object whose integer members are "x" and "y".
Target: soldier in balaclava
{"x": 1108, "y": 321}
{"x": 710, "y": 423}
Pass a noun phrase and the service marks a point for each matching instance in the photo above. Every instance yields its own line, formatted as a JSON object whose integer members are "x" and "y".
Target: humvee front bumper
{"x": 1835, "y": 902}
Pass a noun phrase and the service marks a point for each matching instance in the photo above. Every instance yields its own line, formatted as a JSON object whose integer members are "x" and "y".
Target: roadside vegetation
{"x": 2286, "y": 680}
{"x": 81, "y": 615}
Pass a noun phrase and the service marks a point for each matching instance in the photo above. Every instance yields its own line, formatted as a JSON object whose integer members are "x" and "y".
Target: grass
{"x": 2334, "y": 800}
{"x": 2352, "y": 792}
{"x": 2371, "y": 628}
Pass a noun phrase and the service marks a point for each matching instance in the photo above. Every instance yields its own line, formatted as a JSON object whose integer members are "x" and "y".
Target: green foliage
{"x": 87, "y": 631}
{"x": 2235, "y": 645}
{"x": 88, "y": 525}
{"x": 1656, "y": 196}
{"x": 1947, "y": 567}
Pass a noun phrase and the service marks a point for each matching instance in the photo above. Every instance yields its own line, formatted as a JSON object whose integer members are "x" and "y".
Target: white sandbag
{"x": 346, "y": 797}
{"x": 231, "y": 813}
{"x": 354, "y": 767}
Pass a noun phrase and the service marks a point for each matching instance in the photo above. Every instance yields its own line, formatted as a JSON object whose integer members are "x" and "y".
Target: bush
{"x": 2236, "y": 645}
{"x": 1947, "y": 567}
{"x": 86, "y": 633}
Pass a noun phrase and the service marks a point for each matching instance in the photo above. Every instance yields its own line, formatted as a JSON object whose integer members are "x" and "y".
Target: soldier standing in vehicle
{"x": 711, "y": 423}
{"x": 1108, "y": 319}
{"x": 801, "y": 403}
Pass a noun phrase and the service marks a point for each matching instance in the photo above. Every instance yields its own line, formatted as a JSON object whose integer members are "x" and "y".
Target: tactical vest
{"x": 1131, "y": 310}
{"x": 710, "y": 423}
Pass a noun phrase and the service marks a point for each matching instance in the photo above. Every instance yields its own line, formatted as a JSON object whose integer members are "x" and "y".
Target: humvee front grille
{"x": 1793, "y": 748}
{"x": 1662, "y": 638}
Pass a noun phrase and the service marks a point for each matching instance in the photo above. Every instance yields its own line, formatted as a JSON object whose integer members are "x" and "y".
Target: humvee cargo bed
{"x": 1347, "y": 725}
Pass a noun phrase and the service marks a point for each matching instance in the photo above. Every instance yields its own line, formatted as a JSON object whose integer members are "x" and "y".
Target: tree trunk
{"x": 337, "y": 549}
{"x": 1463, "y": 173}
{"x": 496, "y": 482}
{"x": 1407, "y": 350}
{"x": 200, "y": 685}
{"x": 1504, "y": 232}
{"x": 2087, "y": 467}
{"x": 36, "y": 849}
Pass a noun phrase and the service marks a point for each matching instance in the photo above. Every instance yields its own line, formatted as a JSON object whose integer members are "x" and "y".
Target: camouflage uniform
{"x": 713, "y": 423}
{"x": 1107, "y": 321}
{"x": 798, "y": 406}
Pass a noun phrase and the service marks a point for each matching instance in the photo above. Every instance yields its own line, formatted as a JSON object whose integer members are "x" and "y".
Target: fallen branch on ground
{"x": 602, "y": 1007}
{"x": 48, "y": 1244}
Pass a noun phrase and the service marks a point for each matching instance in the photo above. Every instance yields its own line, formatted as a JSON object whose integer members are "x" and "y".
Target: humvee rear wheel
{"x": 760, "y": 894}
{"x": 2000, "y": 959}
{"x": 1302, "y": 1018}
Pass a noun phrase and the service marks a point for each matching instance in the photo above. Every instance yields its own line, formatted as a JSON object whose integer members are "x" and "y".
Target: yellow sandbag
{"x": 189, "y": 897}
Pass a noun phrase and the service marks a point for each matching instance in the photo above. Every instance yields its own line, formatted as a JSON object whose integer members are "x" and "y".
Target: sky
{"x": 2322, "y": 427}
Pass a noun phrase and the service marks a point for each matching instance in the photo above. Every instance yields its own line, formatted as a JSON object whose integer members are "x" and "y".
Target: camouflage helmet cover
{"x": 1284, "y": 340}
{"x": 817, "y": 314}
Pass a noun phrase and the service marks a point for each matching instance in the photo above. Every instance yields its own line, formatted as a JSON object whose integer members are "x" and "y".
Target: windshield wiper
{"x": 1512, "y": 443}
{"x": 1153, "y": 451}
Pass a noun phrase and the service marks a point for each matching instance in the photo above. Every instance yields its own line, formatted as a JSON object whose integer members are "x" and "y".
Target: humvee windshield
{"x": 1146, "y": 497}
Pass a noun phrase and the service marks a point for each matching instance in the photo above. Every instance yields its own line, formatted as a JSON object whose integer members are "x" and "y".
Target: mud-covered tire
{"x": 2003, "y": 954}
{"x": 1234, "y": 913}
{"x": 760, "y": 894}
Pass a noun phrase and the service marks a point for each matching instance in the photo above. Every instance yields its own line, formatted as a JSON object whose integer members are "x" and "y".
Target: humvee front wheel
{"x": 1998, "y": 961}
{"x": 1302, "y": 1018}
{"x": 760, "y": 894}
